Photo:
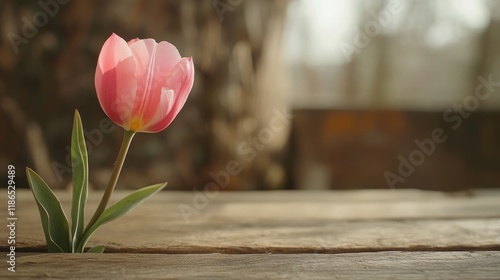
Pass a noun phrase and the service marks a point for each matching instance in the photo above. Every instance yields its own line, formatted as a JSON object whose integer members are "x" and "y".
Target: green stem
{"x": 127, "y": 139}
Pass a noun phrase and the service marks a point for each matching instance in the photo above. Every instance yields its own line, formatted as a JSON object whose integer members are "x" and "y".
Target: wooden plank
{"x": 379, "y": 265}
{"x": 290, "y": 222}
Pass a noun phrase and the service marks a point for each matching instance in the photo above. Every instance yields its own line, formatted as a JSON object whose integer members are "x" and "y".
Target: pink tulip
{"x": 142, "y": 85}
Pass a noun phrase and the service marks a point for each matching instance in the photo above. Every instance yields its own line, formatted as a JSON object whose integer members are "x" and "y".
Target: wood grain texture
{"x": 288, "y": 222}
{"x": 379, "y": 265}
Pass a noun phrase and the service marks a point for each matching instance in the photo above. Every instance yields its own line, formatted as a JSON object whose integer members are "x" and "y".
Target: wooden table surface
{"x": 365, "y": 234}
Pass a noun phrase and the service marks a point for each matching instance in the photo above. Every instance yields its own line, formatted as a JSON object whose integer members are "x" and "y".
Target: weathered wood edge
{"x": 379, "y": 265}
{"x": 301, "y": 237}
{"x": 363, "y": 195}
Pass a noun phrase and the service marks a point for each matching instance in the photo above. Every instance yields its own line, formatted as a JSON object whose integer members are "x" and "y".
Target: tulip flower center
{"x": 135, "y": 124}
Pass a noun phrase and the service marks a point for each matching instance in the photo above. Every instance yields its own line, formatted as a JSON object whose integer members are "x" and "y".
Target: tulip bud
{"x": 142, "y": 85}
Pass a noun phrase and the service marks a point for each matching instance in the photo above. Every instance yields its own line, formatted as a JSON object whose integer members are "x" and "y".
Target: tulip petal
{"x": 164, "y": 107}
{"x": 154, "y": 64}
{"x": 132, "y": 41}
{"x": 180, "y": 81}
{"x": 115, "y": 82}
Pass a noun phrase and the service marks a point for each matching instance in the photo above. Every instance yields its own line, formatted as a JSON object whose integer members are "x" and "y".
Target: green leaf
{"x": 97, "y": 249}
{"x": 80, "y": 166}
{"x": 120, "y": 208}
{"x": 54, "y": 221}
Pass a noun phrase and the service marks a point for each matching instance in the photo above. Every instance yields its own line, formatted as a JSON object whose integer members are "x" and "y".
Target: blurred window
{"x": 416, "y": 54}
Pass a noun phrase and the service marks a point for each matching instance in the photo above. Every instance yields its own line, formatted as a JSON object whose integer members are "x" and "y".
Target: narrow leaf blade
{"x": 54, "y": 221}
{"x": 79, "y": 160}
{"x": 97, "y": 249}
{"x": 120, "y": 208}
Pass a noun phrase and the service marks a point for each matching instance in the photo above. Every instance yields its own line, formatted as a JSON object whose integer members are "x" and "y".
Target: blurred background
{"x": 298, "y": 94}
